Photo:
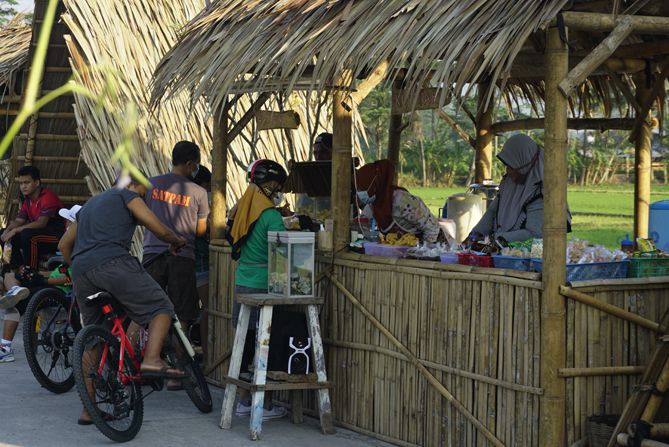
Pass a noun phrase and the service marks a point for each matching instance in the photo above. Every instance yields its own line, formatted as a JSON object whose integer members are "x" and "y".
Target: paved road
{"x": 32, "y": 416}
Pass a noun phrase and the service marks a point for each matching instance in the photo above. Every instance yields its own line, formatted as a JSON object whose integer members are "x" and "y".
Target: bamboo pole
{"x": 342, "y": 147}
{"x": 601, "y": 371}
{"x": 484, "y": 135}
{"x": 600, "y": 124}
{"x": 395, "y": 131}
{"x": 365, "y": 87}
{"x": 626, "y": 440}
{"x": 416, "y": 362}
{"x": 660, "y": 430}
{"x": 642, "y": 165}
{"x": 610, "y": 309}
{"x": 553, "y": 336}
{"x": 600, "y": 22}
{"x": 598, "y": 55}
{"x": 219, "y": 167}
{"x": 457, "y": 128}
{"x": 656, "y": 398}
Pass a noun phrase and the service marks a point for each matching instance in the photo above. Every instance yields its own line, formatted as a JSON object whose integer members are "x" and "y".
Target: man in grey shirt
{"x": 183, "y": 207}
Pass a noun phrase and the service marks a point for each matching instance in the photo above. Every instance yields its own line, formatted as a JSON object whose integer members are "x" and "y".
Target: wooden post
{"x": 395, "y": 131}
{"x": 642, "y": 165}
{"x": 219, "y": 172}
{"x": 484, "y": 136}
{"x": 553, "y": 332}
{"x": 342, "y": 148}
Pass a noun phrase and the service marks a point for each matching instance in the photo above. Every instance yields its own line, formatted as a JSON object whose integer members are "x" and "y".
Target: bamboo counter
{"x": 412, "y": 346}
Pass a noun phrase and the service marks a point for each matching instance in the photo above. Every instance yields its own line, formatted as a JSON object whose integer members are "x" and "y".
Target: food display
{"x": 291, "y": 263}
{"x": 648, "y": 261}
{"x": 318, "y": 208}
{"x": 406, "y": 239}
{"x": 429, "y": 251}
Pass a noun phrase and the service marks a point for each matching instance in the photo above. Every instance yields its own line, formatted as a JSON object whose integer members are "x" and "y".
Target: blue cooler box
{"x": 658, "y": 224}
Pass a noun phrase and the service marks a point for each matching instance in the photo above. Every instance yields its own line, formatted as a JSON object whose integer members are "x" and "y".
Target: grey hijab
{"x": 522, "y": 153}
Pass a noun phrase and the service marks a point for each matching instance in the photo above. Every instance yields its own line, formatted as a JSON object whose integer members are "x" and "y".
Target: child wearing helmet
{"x": 250, "y": 220}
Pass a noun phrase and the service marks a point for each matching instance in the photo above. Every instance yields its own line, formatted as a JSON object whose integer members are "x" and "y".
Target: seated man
{"x": 101, "y": 261}
{"x": 35, "y": 231}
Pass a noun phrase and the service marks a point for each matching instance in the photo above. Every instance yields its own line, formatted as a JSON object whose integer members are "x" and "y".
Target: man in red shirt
{"x": 37, "y": 227}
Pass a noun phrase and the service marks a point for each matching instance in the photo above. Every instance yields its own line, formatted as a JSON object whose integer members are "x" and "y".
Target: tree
{"x": 7, "y": 10}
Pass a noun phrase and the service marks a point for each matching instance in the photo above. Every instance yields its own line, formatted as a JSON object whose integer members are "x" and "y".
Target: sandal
{"x": 108, "y": 417}
{"x": 162, "y": 373}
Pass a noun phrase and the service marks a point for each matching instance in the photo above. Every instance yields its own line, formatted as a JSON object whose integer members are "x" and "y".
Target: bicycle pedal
{"x": 157, "y": 384}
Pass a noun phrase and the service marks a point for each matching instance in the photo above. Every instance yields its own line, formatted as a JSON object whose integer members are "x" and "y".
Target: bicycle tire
{"x": 107, "y": 383}
{"x": 54, "y": 342}
{"x": 195, "y": 384}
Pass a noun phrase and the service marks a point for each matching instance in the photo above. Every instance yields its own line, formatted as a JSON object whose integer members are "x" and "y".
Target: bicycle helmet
{"x": 263, "y": 171}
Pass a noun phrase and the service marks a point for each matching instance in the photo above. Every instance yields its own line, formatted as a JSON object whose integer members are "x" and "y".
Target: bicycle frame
{"x": 126, "y": 347}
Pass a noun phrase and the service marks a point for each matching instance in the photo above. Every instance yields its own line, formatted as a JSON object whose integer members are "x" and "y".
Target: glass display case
{"x": 291, "y": 263}
{"x": 318, "y": 208}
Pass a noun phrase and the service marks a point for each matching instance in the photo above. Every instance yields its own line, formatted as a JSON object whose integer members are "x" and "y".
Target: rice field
{"x": 608, "y": 230}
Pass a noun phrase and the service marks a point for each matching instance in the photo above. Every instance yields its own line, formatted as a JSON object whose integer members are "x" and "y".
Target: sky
{"x": 25, "y": 5}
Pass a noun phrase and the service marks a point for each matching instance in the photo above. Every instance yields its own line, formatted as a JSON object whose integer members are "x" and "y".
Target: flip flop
{"x": 108, "y": 417}
{"x": 175, "y": 386}
{"x": 163, "y": 373}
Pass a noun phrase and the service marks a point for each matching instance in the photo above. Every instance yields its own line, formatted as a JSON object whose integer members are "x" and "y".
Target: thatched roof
{"x": 14, "y": 47}
{"x": 142, "y": 34}
{"x": 241, "y": 45}
{"x": 251, "y": 45}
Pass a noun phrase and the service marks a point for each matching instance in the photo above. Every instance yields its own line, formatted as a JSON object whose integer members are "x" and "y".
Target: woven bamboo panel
{"x": 596, "y": 339}
{"x": 479, "y": 338}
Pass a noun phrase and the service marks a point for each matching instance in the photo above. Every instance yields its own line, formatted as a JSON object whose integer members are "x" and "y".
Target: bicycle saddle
{"x": 101, "y": 298}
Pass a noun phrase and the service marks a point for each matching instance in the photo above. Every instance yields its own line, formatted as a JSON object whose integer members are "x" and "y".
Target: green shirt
{"x": 252, "y": 264}
{"x": 57, "y": 274}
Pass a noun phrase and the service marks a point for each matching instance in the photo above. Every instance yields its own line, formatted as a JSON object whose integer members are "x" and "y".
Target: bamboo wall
{"x": 597, "y": 339}
{"x": 477, "y": 332}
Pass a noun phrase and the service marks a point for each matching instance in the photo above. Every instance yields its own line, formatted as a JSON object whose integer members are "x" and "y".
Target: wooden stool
{"x": 259, "y": 384}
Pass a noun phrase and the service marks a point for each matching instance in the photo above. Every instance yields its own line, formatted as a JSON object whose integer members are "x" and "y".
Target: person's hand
{"x": 285, "y": 211}
{"x": 7, "y": 235}
{"x": 177, "y": 244}
{"x": 472, "y": 239}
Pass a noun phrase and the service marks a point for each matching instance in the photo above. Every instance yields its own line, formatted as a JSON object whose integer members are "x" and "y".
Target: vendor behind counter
{"x": 394, "y": 208}
{"x": 517, "y": 214}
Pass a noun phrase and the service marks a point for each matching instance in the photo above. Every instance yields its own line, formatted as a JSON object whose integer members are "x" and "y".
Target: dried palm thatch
{"x": 14, "y": 47}
{"x": 249, "y": 45}
{"x": 143, "y": 32}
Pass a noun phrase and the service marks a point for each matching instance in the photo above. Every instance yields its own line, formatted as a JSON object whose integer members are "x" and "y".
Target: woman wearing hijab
{"x": 250, "y": 220}
{"x": 517, "y": 214}
{"x": 394, "y": 208}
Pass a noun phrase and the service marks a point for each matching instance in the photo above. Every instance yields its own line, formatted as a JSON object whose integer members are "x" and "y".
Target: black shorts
{"x": 176, "y": 274}
{"x": 125, "y": 278}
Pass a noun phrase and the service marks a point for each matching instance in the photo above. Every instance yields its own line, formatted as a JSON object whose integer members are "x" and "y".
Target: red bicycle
{"x": 108, "y": 377}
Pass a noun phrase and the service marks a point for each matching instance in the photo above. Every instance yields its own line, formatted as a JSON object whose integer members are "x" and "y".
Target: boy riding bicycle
{"x": 101, "y": 261}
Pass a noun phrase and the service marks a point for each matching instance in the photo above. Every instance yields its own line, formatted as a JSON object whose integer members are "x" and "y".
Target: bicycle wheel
{"x": 195, "y": 384}
{"x": 48, "y": 338}
{"x": 116, "y": 409}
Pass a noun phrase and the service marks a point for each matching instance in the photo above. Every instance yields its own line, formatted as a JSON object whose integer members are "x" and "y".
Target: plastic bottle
{"x": 374, "y": 230}
{"x": 627, "y": 245}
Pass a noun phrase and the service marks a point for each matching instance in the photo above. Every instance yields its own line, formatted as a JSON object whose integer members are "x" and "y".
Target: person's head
{"x": 269, "y": 176}
{"x": 203, "y": 178}
{"x": 520, "y": 155}
{"x": 323, "y": 147}
{"x": 186, "y": 158}
{"x": 29, "y": 180}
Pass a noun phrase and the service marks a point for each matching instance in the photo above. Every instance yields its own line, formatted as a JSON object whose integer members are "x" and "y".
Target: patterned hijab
{"x": 377, "y": 179}
{"x": 520, "y": 152}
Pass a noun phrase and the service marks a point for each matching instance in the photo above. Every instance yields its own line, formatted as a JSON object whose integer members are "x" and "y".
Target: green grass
{"x": 611, "y": 199}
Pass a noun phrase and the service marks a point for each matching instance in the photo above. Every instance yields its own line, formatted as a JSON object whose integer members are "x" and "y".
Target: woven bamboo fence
{"x": 477, "y": 331}
{"x": 596, "y": 339}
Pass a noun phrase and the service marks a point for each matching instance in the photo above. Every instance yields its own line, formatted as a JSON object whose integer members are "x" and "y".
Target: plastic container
{"x": 291, "y": 263}
{"x": 449, "y": 258}
{"x": 645, "y": 267}
{"x": 512, "y": 263}
{"x": 658, "y": 224}
{"x": 593, "y": 270}
{"x": 466, "y": 210}
{"x": 627, "y": 245}
{"x": 386, "y": 250}
{"x": 475, "y": 260}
